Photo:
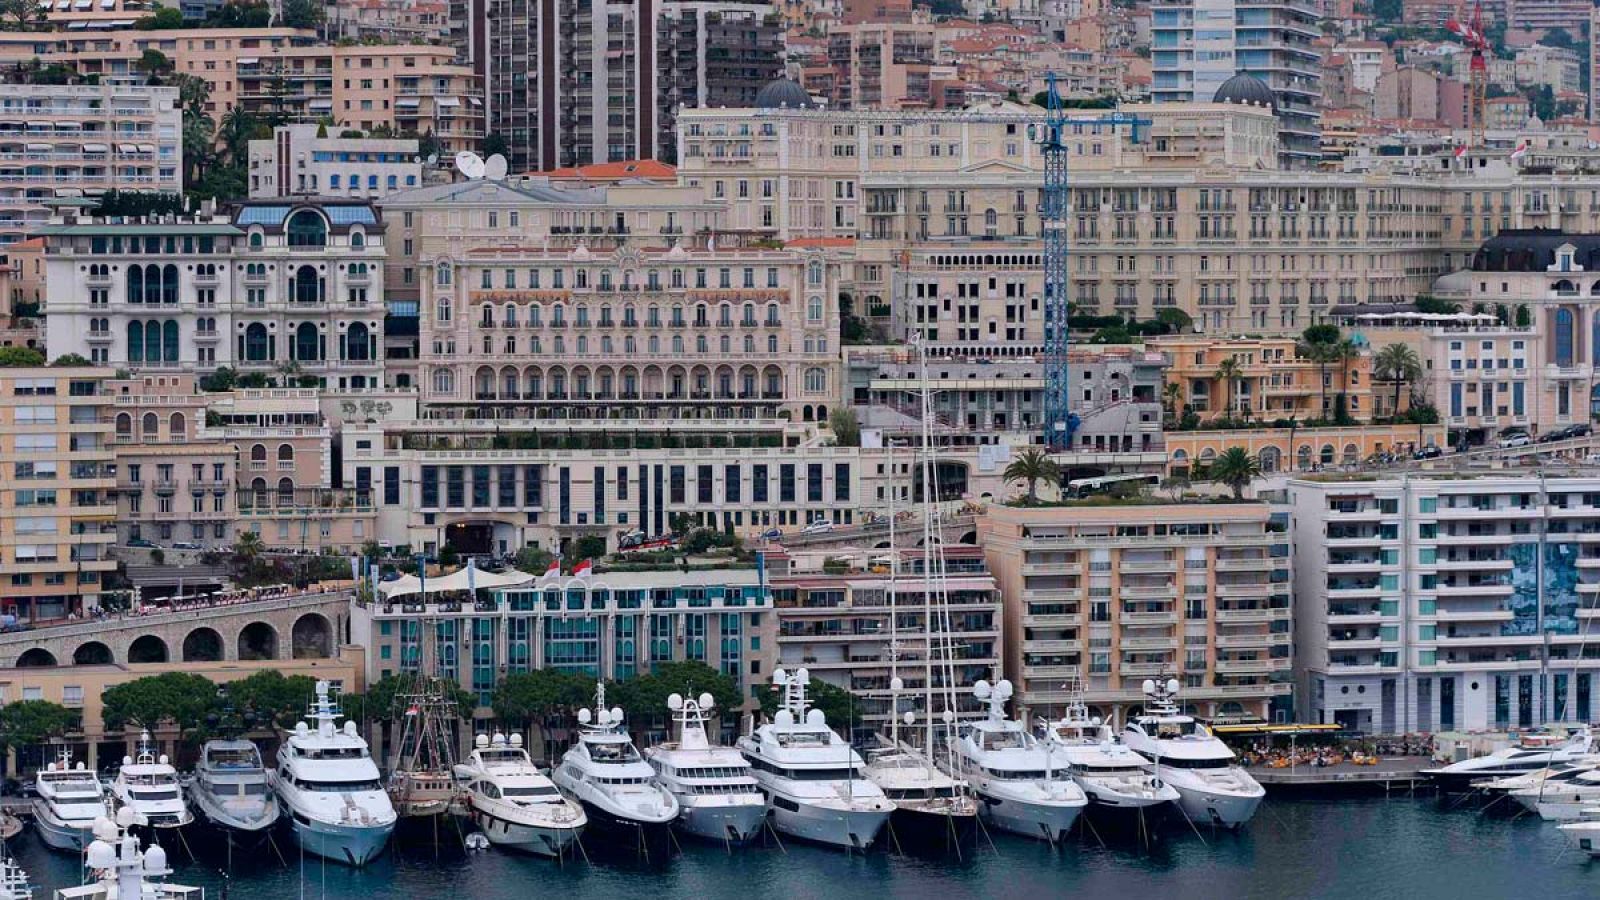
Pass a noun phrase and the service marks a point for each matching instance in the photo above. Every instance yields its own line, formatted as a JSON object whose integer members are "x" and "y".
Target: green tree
{"x": 181, "y": 698}
{"x": 1320, "y": 334}
{"x": 164, "y": 18}
{"x": 534, "y": 559}
{"x": 589, "y": 546}
{"x": 1228, "y": 373}
{"x": 495, "y": 142}
{"x": 1322, "y": 355}
{"x": 1032, "y": 466}
{"x": 1397, "y": 363}
{"x": 846, "y": 427}
{"x": 69, "y": 361}
{"x": 223, "y": 379}
{"x": 153, "y": 63}
{"x": 383, "y": 698}
{"x": 644, "y": 697}
{"x": 272, "y": 697}
{"x": 1236, "y": 468}
{"x": 138, "y": 203}
{"x": 541, "y": 700}
{"x": 22, "y": 15}
{"x": 1175, "y": 319}
{"x": 247, "y": 548}
{"x": 20, "y": 357}
{"x": 301, "y": 14}
{"x": 1524, "y": 316}
{"x": 27, "y": 722}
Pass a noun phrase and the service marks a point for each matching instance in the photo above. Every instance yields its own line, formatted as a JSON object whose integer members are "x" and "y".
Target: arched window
{"x": 441, "y": 274}
{"x": 256, "y": 239}
{"x": 135, "y": 342}
{"x": 307, "y": 229}
{"x": 306, "y": 286}
{"x": 152, "y": 426}
{"x": 816, "y": 380}
{"x": 307, "y": 343}
{"x": 152, "y": 341}
{"x": 169, "y": 284}
{"x": 677, "y": 344}
{"x": 124, "y": 426}
{"x": 285, "y": 491}
{"x": 169, "y": 340}
{"x": 814, "y": 273}
{"x": 772, "y": 343}
{"x": 356, "y": 342}
{"x": 444, "y": 381}
{"x": 136, "y": 284}
{"x": 772, "y": 314}
{"x": 258, "y": 454}
{"x": 256, "y": 346}
{"x": 357, "y": 239}
{"x": 1563, "y": 336}
{"x": 285, "y": 454}
{"x": 177, "y": 427}
{"x": 814, "y": 309}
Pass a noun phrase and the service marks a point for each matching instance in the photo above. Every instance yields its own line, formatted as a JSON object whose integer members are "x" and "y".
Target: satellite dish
{"x": 1003, "y": 690}
{"x": 1172, "y": 685}
{"x": 433, "y": 160}
{"x": 481, "y": 741}
{"x": 495, "y": 168}
{"x": 783, "y": 718}
{"x": 516, "y": 740}
{"x": 780, "y": 676}
{"x": 816, "y": 718}
{"x": 470, "y": 164}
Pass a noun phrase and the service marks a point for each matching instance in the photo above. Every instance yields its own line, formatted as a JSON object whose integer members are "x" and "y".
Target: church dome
{"x": 783, "y": 93}
{"x": 1248, "y": 90}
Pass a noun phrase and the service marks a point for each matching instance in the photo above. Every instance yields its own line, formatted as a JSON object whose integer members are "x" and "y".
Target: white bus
{"x": 1079, "y": 488}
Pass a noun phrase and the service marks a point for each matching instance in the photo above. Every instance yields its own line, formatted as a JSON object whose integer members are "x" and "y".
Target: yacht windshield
{"x": 337, "y": 787}
{"x": 1003, "y": 740}
{"x": 613, "y": 753}
{"x": 1175, "y": 728}
{"x": 155, "y": 794}
{"x": 803, "y": 739}
{"x": 525, "y": 792}
{"x": 336, "y": 753}
{"x": 233, "y": 759}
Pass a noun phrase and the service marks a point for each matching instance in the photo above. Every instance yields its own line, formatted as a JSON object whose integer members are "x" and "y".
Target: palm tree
{"x": 1173, "y": 393}
{"x": 1228, "y": 373}
{"x": 247, "y": 547}
{"x": 1032, "y": 466}
{"x": 1397, "y": 363}
{"x": 1236, "y": 468}
{"x": 1321, "y": 354}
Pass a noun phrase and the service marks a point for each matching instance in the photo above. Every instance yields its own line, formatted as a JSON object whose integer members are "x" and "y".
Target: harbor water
{"x": 1349, "y": 848}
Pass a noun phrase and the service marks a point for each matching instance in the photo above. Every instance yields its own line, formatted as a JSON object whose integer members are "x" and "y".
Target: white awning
{"x": 408, "y": 585}
{"x": 44, "y": 125}
{"x": 68, "y": 125}
{"x": 108, "y": 4}
{"x": 119, "y": 23}
{"x": 247, "y": 60}
{"x": 82, "y": 4}
{"x": 41, "y": 146}
{"x": 95, "y": 148}
{"x": 407, "y": 103}
{"x": 447, "y": 101}
{"x": 127, "y": 148}
{"x": 474, "y": 101}
{"x": 147, "y": 148}
{"x": 69, "y": 192}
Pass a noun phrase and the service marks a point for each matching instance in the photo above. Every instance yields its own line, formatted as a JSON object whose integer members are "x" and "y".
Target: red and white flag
{"x": 1521, "y": 151}
{"x": 1461, "y": 151}
{"x": 554, "y": 570}
{"x": 583, "y": 569}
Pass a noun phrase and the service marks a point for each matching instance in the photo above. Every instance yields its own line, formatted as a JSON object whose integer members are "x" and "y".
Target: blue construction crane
{"x": 1054, "y": 215}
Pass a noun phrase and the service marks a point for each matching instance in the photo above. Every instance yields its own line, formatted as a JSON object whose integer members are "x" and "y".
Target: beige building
{"x": 171, "y": 486}
{"x": 57, "y": 509}
{"x": 1273, "y": 380}
{"x": 1111, "y": 595}
{"x": 296, "y": 161}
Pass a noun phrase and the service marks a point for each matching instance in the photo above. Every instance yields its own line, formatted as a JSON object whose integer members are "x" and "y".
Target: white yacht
{"x": 1533, "y": 751}
{"x": 231, "y": 789}
{"x": 148, "y": 785}
{"x": 1584, "y": 834}
{"x": 69, "y": 799}
{"x": 513, "y": 803}
{"x": 14, "y": 881}
{"x": 118, "y": 869}
{"x": 718, "y": 798}
{"x": 931, "y": 806}
{"x": 1186, "y": 755}
{"x": 330, "y": 788}
{"x": 617, "y": 788}
{"x": 1022, "y": 788}
{"x": 811, "y": 777}
{"x": 1113, "y": 777}
{"x": 1562, "y": 797}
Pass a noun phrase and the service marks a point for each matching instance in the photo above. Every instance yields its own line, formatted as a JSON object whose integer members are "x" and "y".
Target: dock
{"x": 1401, "y": 773}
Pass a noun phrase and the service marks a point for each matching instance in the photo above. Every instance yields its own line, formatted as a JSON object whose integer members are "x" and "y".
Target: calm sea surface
{"x": 1346, "y": 849}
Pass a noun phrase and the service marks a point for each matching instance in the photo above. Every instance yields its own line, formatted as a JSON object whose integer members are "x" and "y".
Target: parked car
{"x": 1518, "y": 439}
{"x": 819, "y": 526}
{"x": 1432, "y": 451}
{"x": 141, "y": 542}
{"x": 186, "y": 545}
{"x": 772, "y": 534}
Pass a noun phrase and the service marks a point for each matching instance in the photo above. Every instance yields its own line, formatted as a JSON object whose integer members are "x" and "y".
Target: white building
{"x": 295, "y": 161}
{"x": 1446, "y": 603}
{"x": 82, "y": 140}
{"x": 278, "y": 288}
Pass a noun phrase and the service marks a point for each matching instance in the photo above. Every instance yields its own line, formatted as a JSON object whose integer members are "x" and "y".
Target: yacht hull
{"x": 1584, "y": 837}
{"x": 540, "y": 840}
{"x": 240, "y": 830}
{"x": 652, "y": 840}
{"x": 855, "y": 829}
{"x": 1554, "y": 807}
{"x": 1045, "y": 821}
{"x": 353, "y": 845}
{"x": 60, "y": 835}
{"x": 1209, "y": 807}
{"x": 737, "y": 824}
{"x": 932, "y": 829}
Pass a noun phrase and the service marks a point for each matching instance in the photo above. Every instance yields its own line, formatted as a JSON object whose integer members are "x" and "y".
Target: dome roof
{"x": 1247, "y": 89}
{"x": 783, "y": 93}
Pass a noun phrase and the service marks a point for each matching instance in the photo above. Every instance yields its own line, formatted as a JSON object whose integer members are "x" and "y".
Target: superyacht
{"x": 617, "y": 788}
{"x": 1114, "y": 778}
{"x": 1532, "y": 752}
{"x": 1021, "y": 786}
{"x": 148, "y": 785}
{"x": 69, "y": 799}
{"x": 513, "y": 803}
{"x": 717, "y": 794}
{"x": 231, "y": 790}
{"x": 811, "y": 777}
{"x": 1185, "y": 754}
{"x": 331, "y": 790}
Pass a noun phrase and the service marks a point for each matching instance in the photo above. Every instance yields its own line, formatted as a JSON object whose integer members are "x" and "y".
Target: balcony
{"x": 1231, "y": 616}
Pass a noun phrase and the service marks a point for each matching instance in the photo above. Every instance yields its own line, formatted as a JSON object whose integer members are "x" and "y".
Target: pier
{"x": 1400, "y": 773}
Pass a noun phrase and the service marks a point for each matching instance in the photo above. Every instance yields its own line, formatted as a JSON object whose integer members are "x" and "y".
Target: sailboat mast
{"x": 894, "y": 626}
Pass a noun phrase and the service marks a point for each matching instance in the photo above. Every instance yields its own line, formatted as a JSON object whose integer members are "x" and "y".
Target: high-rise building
{"x": 1200, "y": 46}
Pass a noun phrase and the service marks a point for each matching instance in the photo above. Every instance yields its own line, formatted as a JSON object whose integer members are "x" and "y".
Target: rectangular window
{"x": 786, "y": 483}
{"x": 391, "y": 486}
{"x": 730, "y": 484}
{"x": 675, "y": 485}
{"x": 758, "y": 483}
{"x": 703, "y": 484}
{"x": 814, "y": 482}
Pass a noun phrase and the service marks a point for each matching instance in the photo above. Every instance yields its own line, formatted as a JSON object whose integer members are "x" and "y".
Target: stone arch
{"x": 92, "y": 653}
{"x": 968, "y": 537}
{"x": 1271, "y": 459}
{"x": 36, "y": 658}
{"x": 258, "y": 640}
{"x": 147, "y": 649}
{"x": 311, "y": 637}
{"x": 202, "y": 645}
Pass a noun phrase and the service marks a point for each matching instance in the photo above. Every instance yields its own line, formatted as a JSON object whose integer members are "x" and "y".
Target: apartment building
{"x": 1273, "y": 381}
{"x": 66, "y": 142}
{"x": 1111, "y": 595}
{"x": 57, "y": 509}
{"x": 568, "y": 84}
{"x": 886, "y": 65}
{"x": 286, "y": 288}
{"x": 837, "y": 624}
{"x": 171, "y": 485}
{"x": 1446, "y": 602}
{"x": 1199, "y": 48}
{"x": 611, "y": 626}
{"x": 295, "y": 161}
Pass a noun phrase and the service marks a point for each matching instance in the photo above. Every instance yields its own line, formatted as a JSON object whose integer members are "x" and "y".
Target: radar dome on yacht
{"x": 516, "y": 740}
{"x": 50, "y": 767}
{"x": 780, "y": 676}
{"x": 127, "y": 760}
{"x": 674, "y": 702}
{"x": 349, "y": 727}
{"x": 104, "y": 829}
{"x": 302, "y": 729}
{"x": 910, "y": 717}
{"x": 980, "y": 689}
{"x": 707, "y": 701}
{"x": 897, "y": 683}
{"x": 155, "y": 861}
{"x": 126, "y": 817}
{"x": 584, "y": 716}
{"x": 1003, "y": 689}
{"x": 481, "y": 741}
{"x": 102, "y": 855}
{"x": 498, "y": 739}
{"x": 164, "y": 760}
{"x": 1172, "y": 685}
{"x": 816, "y": 717}
{"x": 804, "y": 675}
{"x": 616, "y": 715}
{"x": 1149, "y": 686}
{"x": 79, "y": 766}
{"x": 783, "y": 717}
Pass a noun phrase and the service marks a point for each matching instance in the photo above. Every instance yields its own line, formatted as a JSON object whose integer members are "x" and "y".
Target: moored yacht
{"x": 718, "y": 798}
{"x": 1186, "y": 755}
{"x": 1113, "y": 777}
{"x": 230, "y": 789}
{"x": 932, "y": 808}
{"x": 1562, "y": 797}
{"x": 617, "y": 788}
{"x": 513, "y": 803}
{"x": 1021, "y": 787}
{"x": 69, "y": 799}
{"x": 1532, "y": 751}
{"x": 1584, "y": 834}
{"x": 148, "y": 785}
{"x": 118, "y": 868}
{"x": 811, "y": 777}
{"x": 330, "y": 788}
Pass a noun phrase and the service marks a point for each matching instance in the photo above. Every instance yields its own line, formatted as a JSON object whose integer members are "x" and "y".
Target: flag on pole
{"x": 1521, "y": 151}
{"x": 555, "y": 568}
{"x": 1461, "y": 151}
{"x": 583, "y": 569}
